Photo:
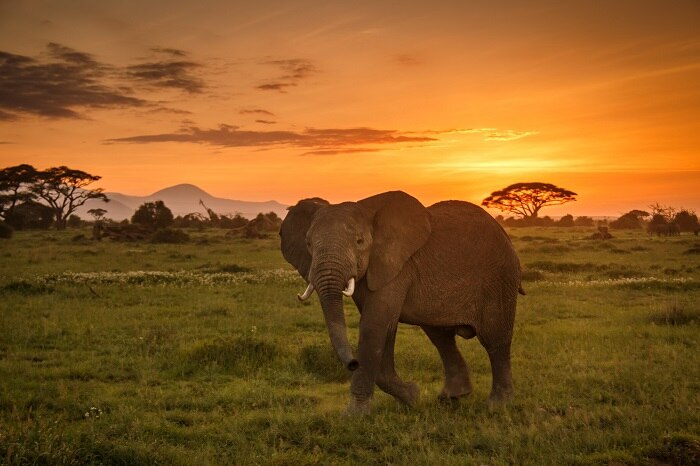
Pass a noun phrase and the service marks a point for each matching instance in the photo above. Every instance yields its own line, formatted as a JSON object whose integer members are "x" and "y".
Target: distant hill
{"x": 182, "y": 199}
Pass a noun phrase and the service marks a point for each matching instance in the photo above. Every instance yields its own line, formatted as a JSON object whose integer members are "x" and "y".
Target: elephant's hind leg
{"x": 502, "y": 385}
{"x": 389, "y": 381}
{"x": 457, "y": 381}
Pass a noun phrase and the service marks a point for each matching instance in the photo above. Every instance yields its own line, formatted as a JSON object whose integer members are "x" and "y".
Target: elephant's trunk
{"x": 329, "y": 284}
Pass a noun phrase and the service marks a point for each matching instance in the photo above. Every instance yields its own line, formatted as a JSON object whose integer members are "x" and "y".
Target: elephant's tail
{"x": 521, "y": 291}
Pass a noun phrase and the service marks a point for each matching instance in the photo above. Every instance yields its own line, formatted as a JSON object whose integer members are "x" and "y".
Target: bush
{"x": 170, "y": 235}
{"x": 153, "y": 215}
{"x": 6, "y": 230}
{"x": 584, "y": 221}
{"x": 632, "y": 220}
{"x": 687, "y": 221}
{"x": 566, "y": 221}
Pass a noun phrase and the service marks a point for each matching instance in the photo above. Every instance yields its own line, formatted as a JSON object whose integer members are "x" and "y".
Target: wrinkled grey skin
{"x": 449, "y": 268}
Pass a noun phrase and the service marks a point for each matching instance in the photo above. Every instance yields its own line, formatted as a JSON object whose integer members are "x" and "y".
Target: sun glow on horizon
{"x": 349, "y": 101}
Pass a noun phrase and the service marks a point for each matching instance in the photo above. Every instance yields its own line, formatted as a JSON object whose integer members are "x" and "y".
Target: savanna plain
{"x": 200, "y": 353}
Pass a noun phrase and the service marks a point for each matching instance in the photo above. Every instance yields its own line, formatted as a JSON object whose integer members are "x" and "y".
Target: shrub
{"x": 584, "y": 221}
{"x": 566, "y": 221}
{"x": 153, "y": 215}
{"x": 687, "y": 221}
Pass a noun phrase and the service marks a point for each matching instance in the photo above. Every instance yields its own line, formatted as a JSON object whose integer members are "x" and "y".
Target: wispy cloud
{"x": 65, "y": 83}
{"x": 169, "y": 51}
{"x": 493, "y": 134}
{"x": 256, "y": 111}
{"x": 266, "y": 122}
{"x": 321, "y": 141}
{"x": 342, "y": 151}
{"x": 293, "y": 72}
{"x": 175, "y": 74}
{"x": 60, "y": 87}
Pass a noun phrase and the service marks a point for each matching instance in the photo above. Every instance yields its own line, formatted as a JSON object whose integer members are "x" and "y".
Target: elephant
{"x": 449, "y": 268}
{"x": 666, "y": 229}
{"x": 674, "y": 229}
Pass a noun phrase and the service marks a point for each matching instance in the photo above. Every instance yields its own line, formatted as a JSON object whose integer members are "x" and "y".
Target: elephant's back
{"x": 468, "y": 221}
{"x": 467, "y": 261}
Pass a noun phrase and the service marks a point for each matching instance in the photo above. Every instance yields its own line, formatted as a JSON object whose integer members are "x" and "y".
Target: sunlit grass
{"x": 136, "y": 353}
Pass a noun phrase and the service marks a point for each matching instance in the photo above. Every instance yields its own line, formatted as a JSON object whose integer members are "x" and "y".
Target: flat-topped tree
{"x": 526, "y": 199}
{"x": 64, "y": 190}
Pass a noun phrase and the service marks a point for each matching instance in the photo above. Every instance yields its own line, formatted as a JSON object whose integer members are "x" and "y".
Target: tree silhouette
{"x": 15, "y": 184}
{"x": 64, "y": 190}
{"x": 153, "y": 215}
{"x": 526, "y": 199}
{"x": 97, "y": 214}
{"x": 630, "y": 221}
{"x": 687, "y": 220}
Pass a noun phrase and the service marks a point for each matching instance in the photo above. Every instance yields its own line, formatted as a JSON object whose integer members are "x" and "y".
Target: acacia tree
{"x": 64, "y": 190}
{"x": 526, "y": 199}
{"x": 15, "y": 187}
{"x": 97, "y": 214}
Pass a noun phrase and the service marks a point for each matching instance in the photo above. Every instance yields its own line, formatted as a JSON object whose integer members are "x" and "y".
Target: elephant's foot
{"x": 358, "y": 406}
{"x": 456, "y": 387}
{"x": 405, "y": 392}
{"x": 408, "y": 394}
{"x": 500, "y": 396}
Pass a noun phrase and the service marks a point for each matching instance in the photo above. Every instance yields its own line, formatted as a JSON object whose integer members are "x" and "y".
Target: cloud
{"x": 174, "y": 74}
{"x": 341, "y": 151}
{"x": 266, "y": 122}
{"x": 256, "y": 111}
{"x": 169, "y": 51}
{"x": 275, "y": 86}
{"x": 320, "y": 141}
{"x": 175, "y": 111}
{"x": 60, "y": 87}
{"x": 293, "y": 72}
{"x": 492, "y": 134}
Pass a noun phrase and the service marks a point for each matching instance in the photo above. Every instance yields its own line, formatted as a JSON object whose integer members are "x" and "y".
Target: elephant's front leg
{"x": 376, "y": 322}
{"x": 389, "y": 381}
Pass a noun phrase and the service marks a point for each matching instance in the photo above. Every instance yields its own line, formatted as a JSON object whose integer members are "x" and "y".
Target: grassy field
{"x": 137, "y": 353}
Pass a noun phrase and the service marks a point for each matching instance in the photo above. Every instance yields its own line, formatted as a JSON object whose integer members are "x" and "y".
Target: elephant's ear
{"x": 293, "y": 234}
{"x": 400, "y": 226}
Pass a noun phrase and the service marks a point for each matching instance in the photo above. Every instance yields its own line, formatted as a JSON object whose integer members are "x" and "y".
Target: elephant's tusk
{"x": 350, "y": 288}
{"x": 307, "y": 293}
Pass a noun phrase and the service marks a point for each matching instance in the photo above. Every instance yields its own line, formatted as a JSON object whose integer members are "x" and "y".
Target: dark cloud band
{"x": 321, "y": 141}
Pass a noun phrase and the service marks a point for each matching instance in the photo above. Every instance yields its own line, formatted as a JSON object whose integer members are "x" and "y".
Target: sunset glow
{"x": 291, "y": 99}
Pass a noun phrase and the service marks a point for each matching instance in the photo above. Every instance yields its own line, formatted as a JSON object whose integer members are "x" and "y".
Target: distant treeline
{"x": 661, "y": 220}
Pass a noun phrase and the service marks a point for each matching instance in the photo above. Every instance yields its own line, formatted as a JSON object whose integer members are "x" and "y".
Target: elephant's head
{"x": 335, "y": 246}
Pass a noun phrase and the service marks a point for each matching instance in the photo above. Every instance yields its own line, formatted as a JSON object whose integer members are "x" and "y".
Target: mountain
{"x": 181, "y": 199}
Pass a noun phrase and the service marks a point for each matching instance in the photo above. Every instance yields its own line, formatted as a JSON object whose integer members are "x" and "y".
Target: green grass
{"x": 210, "y": 359}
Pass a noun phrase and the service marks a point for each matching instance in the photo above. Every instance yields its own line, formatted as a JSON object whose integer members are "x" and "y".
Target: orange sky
{"x": 290, "y": 99}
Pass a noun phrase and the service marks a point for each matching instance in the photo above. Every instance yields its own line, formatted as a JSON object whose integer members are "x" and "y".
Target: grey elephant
{"x": 449, "y": 268}
{"x": 666, "y": 229}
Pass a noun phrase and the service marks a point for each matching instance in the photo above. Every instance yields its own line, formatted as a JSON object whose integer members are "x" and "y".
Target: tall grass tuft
{"x": 234, "y": 356}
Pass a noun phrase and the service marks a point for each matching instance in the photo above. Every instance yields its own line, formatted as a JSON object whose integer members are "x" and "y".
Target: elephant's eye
{"x": 360, "y": 240}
